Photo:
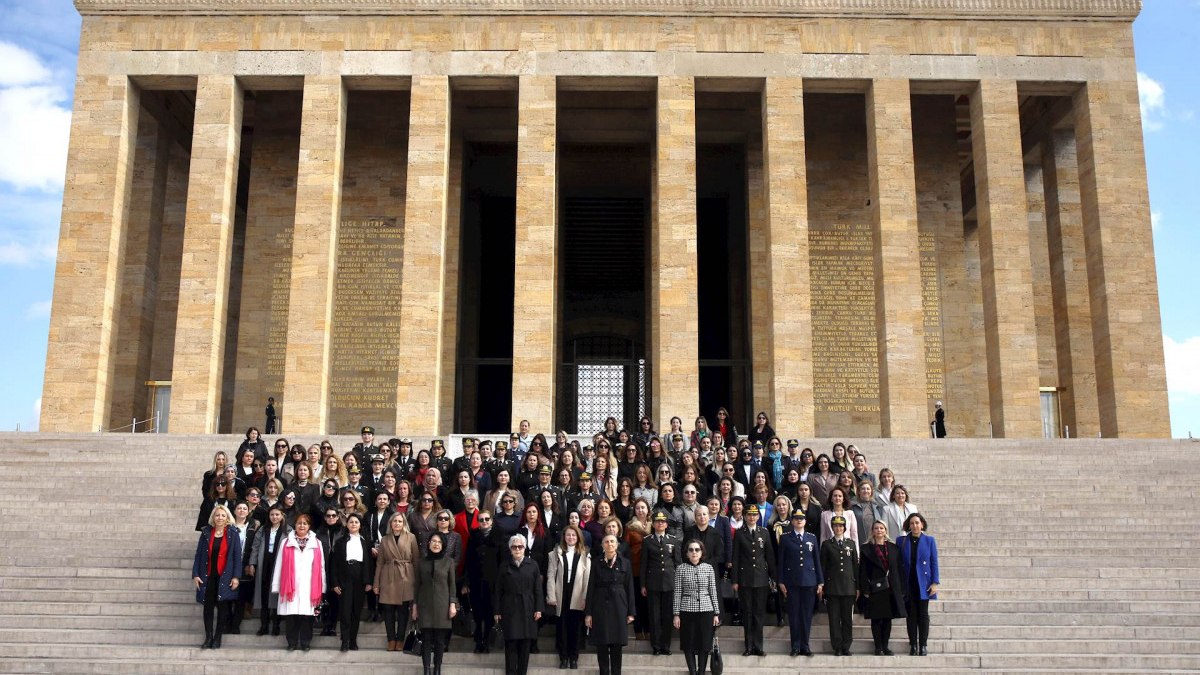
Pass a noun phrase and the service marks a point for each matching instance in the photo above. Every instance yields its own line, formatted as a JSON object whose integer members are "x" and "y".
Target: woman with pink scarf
{"x": 300, "y": 582}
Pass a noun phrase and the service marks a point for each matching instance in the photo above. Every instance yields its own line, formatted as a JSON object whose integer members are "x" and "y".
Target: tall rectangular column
{"x": 789, "y": 298}
{"x": 1069, "y": 284}
{"x": 79, "y": 359}
{"x": 305, "y": 404}
{"x": 207, "y": 245}
{"x": 535, "y": 335}
{"x": 1126, "y": 327}
{"x": 1009, "y": 326}
{"x": 674, "y": 315}
{"x": 899, "y": 312}
{"x": 418, "y": 380}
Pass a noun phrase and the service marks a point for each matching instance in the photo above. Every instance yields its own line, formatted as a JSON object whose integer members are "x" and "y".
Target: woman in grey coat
{"x": 264, "y": 553}
{"x": 433, "y": 603}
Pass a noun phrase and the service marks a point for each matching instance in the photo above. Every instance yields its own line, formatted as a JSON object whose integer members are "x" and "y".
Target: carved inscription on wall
{"x": 366, "y": 324}
{"x": 281, "y": 277}
{"x": 845, "y": 351}
{"x": 931, "y": 290}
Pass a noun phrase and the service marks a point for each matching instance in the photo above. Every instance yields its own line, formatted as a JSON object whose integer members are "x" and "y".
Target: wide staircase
{"x": 1064, "y": 556}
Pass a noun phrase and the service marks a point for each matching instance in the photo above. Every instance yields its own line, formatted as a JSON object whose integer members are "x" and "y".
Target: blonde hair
{"x": 228, "y": 515}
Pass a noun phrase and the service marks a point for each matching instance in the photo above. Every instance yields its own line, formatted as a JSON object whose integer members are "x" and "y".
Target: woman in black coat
{"x": 610, "y": 606}
{"x": 351, "y": 571}
{"x": 254, "y": 443}
{"x": 517, "y": 598}
{"x": 882, "y": 584}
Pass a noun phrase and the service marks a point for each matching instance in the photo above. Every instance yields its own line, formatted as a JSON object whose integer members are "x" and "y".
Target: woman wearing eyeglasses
{"x": 329, "y": 533}
{"x": 421, "y": 520}
{"x": 220, "y": 493}
{"x": 517, "y": 601}
{"x": 300, "y": 582}
{"x": 610, "y": 606}
{"x": 434, "y": 603}
{"x": 696, "y": 607}
{"x": 398, "y": 552}
{"x": 483, "y": 556}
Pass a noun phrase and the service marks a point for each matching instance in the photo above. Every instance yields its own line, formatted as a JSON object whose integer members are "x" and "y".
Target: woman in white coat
{"x": 300, "y": 582}
{"x": 570, "y": 568}
{"x": 897, "y": 511}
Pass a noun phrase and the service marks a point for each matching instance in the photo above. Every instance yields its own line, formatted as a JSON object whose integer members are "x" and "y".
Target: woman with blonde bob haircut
{"x": 569, "y": 570}
{"x": 215, "y": 572}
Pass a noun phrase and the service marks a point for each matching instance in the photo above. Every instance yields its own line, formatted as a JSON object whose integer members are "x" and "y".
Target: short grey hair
{"x": 472, "y": 493}
{"x": 516, "y": 539}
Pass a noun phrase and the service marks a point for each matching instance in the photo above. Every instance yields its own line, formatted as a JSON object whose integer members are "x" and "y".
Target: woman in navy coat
{"x": 215, "y": 571}
{"x": 919, "y": 562}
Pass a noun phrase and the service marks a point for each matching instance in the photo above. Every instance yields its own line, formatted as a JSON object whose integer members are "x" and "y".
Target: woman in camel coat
{"x": 398, "y": 553}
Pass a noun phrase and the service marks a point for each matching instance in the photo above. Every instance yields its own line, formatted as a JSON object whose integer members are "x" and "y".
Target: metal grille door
{"x": 601, "y": 394}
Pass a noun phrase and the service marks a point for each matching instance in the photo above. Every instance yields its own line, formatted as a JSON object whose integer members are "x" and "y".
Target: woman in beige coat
{"x": 569, "y": 570}
{"x": 397, "y": 553}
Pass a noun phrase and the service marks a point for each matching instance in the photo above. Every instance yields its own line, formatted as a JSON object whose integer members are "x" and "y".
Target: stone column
{"x": 79, "y": 359}
{"x": 789, "y": 298}
{"x": 305, "y": 404}
{"x": 424, "y": 243}
{"x": 674, "y": 315}
{"x": 1126, "y": 328}
{"x": 900, "y": 312}
{"x": 1009, "y": 327}
{"x": 535, "y": 333}
{"x": 1069, "y": 283}
{"x": 207, "y": 245}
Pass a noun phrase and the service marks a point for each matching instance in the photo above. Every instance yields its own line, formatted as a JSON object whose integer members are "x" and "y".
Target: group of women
{"x": 631, "y": 536}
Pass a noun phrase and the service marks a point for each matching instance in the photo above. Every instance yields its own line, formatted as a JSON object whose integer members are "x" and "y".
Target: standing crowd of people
{"x": 636, "y": 535}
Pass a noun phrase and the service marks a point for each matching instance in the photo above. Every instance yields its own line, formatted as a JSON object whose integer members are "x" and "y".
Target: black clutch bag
{"x": 878, "y": 585}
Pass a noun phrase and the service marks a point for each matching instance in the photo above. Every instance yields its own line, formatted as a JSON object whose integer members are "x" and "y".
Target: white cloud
{"x": 34, "y": 129}
{"x": 20, "y": 67}
{"x": 1153, "y": 100}
{"x": 1183, "y": 365}
{"x": 38, "y": 310}
{"x": 24, "y": 254}
{"x": 1155, "y": 220}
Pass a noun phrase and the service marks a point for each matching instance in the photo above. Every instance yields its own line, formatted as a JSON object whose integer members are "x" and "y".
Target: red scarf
{"x": 287, "y": 575}
{"x": 212, "y": 536}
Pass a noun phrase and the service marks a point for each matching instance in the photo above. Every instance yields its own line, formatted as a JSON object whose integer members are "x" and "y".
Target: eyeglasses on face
{"x": 427, "y": 500}
{"x": 443, "y": 519}
{"x": 517, "y": 547}
{"x": 693, "y": 550}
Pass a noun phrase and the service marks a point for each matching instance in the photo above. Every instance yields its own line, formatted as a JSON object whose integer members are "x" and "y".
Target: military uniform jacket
{"x": 753, "y": 557}
{"x": 660, "y": 557}
{"x": 839, "y": 562}
{"x": 800, "y": 560}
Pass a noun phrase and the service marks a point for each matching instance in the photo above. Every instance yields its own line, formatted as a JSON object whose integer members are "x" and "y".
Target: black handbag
{"x": 716, "y": 663}
{"x": 463, "y": 624}
{"x": 727, "y": 592}
{"x": 412, "y": 642}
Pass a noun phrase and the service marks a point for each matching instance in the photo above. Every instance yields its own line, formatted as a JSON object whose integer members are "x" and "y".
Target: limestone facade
{"x": 942, "y": 200}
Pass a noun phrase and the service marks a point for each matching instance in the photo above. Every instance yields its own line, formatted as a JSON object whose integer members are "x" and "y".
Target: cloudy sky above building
{"x": 38, "y": 48}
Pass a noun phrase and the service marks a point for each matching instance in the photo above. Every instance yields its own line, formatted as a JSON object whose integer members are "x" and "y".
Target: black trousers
{"x": 660, "y": 604}
{"x": 800, "y": 603}
{"x": 918, "y": 621}
{"x": 329, "y": 618}
{"x": 395, "y": 620}
{"x": 481, "y": 606}
{"x": 299, "y": 630}
{"x": 753, "y": 603}
{"x": 609, "y": 658}
{"x": 350, "y": 612}
{"x": 570, "y": 622}
{"x": 215, "y": 611}
{"x": 264, "y": 596}
{"x": 695, "y": 632}
{"x": 881, "y": 632}
{"x": 841, "y": 621}
{"x": 516, "y": 656}
{"x": 433, "y": 645}
{"x": 641, "y": 620}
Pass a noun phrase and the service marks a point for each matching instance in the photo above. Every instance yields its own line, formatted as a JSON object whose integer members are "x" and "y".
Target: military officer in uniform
{"x": 839, "y": 562}
{"x": 364, "y": 450}
{"x": 753, "y": 571}
{"x": 545, "y": 473}
{"x": 405, "y": 460}
{"x": 586, "y": 490}
{"x": 438, "y": 458}
{"x": 499, "y": 460}
{"x": 661, "y": 554}
{"x": 800, "y": 580}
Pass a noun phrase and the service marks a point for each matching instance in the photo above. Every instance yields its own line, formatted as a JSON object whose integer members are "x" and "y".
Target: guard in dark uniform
{"x": 365, "y": 493}
{"x": 439, "y": 460}
{"x": 753, "y": 571}
{"x": 800, "y": 577}
{"x": 374, "y": 480}
{"x": 839, "y": 562}
{"x": 405, "y": 459}
{"x": 367, "y": 448}
{"x": 495, "y": 464}
{"x": 463, "y": 461}
{"x": 661, "y": 554}
{"x": 586, "y": 490}
{"x": 545, "y": 473}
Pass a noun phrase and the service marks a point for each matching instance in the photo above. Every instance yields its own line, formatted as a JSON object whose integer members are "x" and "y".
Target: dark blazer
{"x": 610, "y": 601}
{"x": 539, "y": 552}
{"x": 340, "y": 573}
{"x": 887, "y": 603}
{"x": 659, "y": 560}
{"x": 927, "y": 564}
{"x": 516, "y": 595}
{"x": 753, "y": 557}
{"x": 839, "y": 562}
{"x": 800, "y": 560}
{"x": 373, "y": 530}
{"x": 233, "y": 565}
{"x": 716, "y": 543}
{"x": 483, "y": 557}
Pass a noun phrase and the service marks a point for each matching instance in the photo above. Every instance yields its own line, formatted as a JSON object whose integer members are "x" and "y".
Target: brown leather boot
{"x": 391, "y": 645}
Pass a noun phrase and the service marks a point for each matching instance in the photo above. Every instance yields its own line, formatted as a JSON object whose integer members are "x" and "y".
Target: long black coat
{"x": 516, "y": 595}
{"x": 610, "y": 602}
{"x": 887, "y": 604}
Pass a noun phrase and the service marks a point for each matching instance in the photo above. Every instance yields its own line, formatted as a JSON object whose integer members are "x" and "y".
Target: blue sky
{"x": 39, "y": 43}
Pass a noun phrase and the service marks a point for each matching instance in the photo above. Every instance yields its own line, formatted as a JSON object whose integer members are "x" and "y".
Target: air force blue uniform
{"x": 800, "y": 571}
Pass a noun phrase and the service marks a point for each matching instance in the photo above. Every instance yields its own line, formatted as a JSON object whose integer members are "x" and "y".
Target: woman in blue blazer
{"x": 215, "y": 572}
{"x": 919, "y": 562}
